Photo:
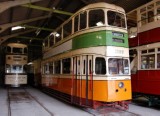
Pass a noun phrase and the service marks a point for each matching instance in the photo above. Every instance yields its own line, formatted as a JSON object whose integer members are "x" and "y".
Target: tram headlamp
{"x": 120, "y": 84}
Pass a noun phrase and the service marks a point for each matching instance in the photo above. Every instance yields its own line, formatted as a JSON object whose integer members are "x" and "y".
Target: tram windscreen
{"x": 17, "y": 69}
{"x": 17, "y": 50}
{"x": 118, "y": 66}
{"x": 116, "y": 19}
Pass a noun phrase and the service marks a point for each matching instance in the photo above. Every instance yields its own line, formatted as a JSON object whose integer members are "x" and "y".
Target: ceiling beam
{"x": 6, "y": 5}
{"x": 47, "y": 9}
{"x": 30, "y": 38}
{"x": 41, "y": 28}
{"x": 4, "y": 38}
{"x": 6, "y": 26}
{"x": 85, "y": 2}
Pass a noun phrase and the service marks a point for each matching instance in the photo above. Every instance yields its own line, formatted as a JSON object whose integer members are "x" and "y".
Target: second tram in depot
{"x": 15, "y": 64}
{"x": 144, "y": 45}
{"x": 86, "y": 59}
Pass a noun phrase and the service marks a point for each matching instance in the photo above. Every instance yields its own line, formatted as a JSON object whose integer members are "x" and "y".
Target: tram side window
{"x": 158, "y": 13}
{"x": 8, "y": 49}
{"x": 148, "y": 61}
{"x": 17, "y": 50}
{"x": 66, "y": 63}
{"x": 158, "y": 60}
{"x": 51, "y": 40}
{"x": 46, "y": 68}
{"x": 76, "y": 23}
{"x": 25, "y": 50}
{"x": 84, "y": 66}
{"x": 100, "y": 66}
{"x": 150, "y": 16}
{"x": 96, "y": 18}
{"x": 83, "y": 20}
{"x": 51, "y": 68}
{"x": 58, "y": 35}
{"x": 150, "y": 12}
{"x": 25, "y": 69}
{"x": 46, "y": 43}
{"x": 57, "y": 67}
{"x": 143, "y": 19}
{"x": 67, "y": 29}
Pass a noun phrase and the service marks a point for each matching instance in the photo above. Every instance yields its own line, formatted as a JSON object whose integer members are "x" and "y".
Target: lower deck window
{"x": 148, "y": 61}
{"x": 66, "y": 66}
{"x": 100, "y": 66}
{"x": 57, "y": 68}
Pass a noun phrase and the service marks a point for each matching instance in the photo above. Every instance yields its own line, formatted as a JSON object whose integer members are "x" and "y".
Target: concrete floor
{"x": 53, "y": 107}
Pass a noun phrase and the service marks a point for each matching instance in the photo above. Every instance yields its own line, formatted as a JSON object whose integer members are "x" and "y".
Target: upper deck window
{"x": 8, "y": 49}
{"x": 158, "y": 13}
{"x": 147, "y": 14}
{"x": 116, "y": 19}
{"x": 76, "y": 23}
{"x": 96, "y": 18}
{"x": 58, "y": 35}
{"x": 46, "y": 43}
{"x": 83, "y": 20}
{"x": 51, "y": 40}
{"x": 67, "y": 29}
{"x": 17, "y": 50}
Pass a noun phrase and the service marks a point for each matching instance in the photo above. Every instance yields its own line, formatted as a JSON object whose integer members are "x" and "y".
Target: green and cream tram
{"x": 86, "y": 59}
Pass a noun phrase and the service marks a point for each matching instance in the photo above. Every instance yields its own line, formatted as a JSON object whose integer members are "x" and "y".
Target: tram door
{"x": 76, "y": 81}
{"x": 88, "y": 79}
{"x": 82, "y": 80}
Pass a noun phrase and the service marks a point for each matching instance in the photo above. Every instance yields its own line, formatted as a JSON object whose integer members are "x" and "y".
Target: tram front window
{"x": 8, "y": 68}
{"x": 96, "y": 18}
{"x": 116, "y": 19}
{"x": 17, "y": 50}
{"x": 17, "y": 69}
{"x": 100, "y": 66}
{"x": 8, "y": 49}
{"x": 118, "y": 66}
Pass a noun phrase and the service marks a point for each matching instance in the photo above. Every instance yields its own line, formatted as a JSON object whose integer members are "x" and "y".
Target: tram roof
{"x": 103, "y": 5}
{"x": 17, "y": 45}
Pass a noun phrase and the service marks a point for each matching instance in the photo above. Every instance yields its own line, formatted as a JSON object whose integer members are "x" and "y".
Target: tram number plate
{"x": 117, "y": 34}
{"x": 118, "y": 40}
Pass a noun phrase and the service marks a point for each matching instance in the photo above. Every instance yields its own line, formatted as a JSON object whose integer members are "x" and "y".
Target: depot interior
{"x": 36, "y": 19}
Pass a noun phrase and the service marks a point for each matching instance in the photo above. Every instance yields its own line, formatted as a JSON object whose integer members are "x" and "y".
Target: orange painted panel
{"x": 99, "y": 90}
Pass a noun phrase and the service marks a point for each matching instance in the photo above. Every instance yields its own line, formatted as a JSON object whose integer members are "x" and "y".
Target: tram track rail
{"x": 9, "y": 106}
{"x": 39, "y": 103}
{"x": 109, "y": 111}
{"x": 26, "y": 95}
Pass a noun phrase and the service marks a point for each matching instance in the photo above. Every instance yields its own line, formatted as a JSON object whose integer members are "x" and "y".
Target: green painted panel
{"x": 99, "y": 38}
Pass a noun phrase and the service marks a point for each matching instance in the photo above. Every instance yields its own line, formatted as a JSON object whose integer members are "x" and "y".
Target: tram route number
{"x": 119, "y": 51}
